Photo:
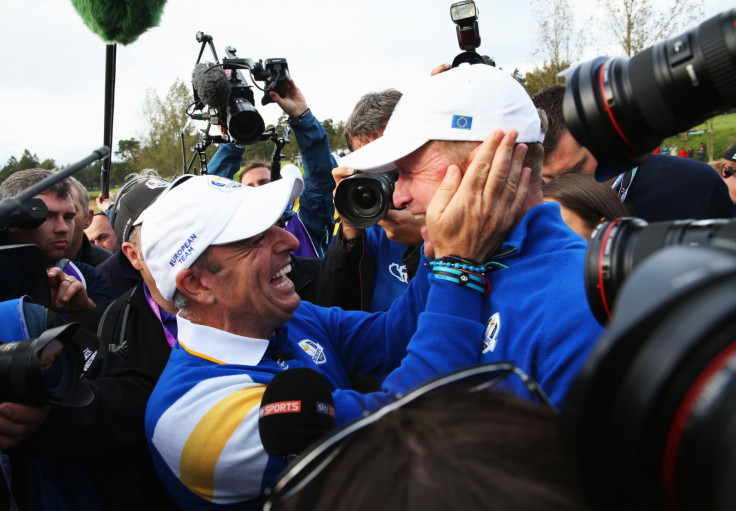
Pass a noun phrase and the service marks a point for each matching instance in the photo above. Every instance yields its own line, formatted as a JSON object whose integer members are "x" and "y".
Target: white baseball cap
{"x": 208, "y": 210}
{"x": 465, "y": 103}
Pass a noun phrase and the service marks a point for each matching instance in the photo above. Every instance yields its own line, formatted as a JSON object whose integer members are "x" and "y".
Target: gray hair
{"x": 83, "y": 193}
{"x": 370, "y": 114}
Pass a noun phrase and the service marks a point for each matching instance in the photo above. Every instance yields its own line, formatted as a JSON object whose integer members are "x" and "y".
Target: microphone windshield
{"x": 119, "y": 22}
{"x": 211, "y": 84}
{"x": 296, "y": 410}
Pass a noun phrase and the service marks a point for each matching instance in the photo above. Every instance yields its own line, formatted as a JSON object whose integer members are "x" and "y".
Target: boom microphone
{"x": 296, "y": 410}
{"x": 119, "y": 22}
{"x": 211, "y": 85}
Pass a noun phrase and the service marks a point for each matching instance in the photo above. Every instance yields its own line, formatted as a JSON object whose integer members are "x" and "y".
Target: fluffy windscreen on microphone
{"x": 117, "y": 21}
{"x": 296, "y": 410}
{"x": 211, "y": 84}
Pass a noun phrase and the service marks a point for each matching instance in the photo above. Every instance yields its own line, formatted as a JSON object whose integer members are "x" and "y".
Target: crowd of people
{"x": 191, "y": 295}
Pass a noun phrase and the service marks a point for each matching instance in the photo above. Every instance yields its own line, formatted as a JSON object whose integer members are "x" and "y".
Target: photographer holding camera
{"x": 75, "y": 288}
{"x": 368, "y": 268}
{"x": 315, "y": 205}
{"x": 537, "y": 313}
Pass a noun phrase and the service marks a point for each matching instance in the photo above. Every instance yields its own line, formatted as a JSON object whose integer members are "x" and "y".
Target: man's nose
{"x": 401, "y": 196}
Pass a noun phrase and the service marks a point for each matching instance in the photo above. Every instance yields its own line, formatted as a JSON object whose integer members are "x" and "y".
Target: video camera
{"x": 651, "y": 419}
{"x": 223, "y": 97}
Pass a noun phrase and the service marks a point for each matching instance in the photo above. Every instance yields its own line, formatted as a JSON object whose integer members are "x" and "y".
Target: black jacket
{"x": 90, "y": 253}
{"x": 347, "y": 277}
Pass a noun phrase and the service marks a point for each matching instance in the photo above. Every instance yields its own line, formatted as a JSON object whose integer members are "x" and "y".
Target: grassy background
{"x": 724, "y": 136}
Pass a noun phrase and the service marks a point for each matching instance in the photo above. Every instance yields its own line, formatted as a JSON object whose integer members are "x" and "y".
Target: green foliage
{"x": 116, "y": 21}
{"x": 543, "y": 77}
{"x": 27, "y": 160}
{"x": 166, "y": 124}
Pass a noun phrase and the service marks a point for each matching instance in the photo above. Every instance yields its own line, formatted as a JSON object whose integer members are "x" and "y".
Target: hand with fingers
{"x": 18, "y": 422}
{"x": 292, "y": 102}
{"x": 472, "y": 212}
{"x": 67, "y": 293}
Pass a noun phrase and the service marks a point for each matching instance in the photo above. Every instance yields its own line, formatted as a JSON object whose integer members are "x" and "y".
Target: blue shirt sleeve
{"x": 226, "y": 161}
{"x": 316, "y": 209}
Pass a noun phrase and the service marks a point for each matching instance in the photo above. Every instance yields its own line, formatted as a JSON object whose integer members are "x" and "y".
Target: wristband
{"x": 345, "y": 242}
{"x": 301, "y": 116}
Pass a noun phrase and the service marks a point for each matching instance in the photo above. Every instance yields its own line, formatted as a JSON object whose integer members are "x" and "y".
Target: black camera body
{"x": 364, "y": 199}
{"x": 223, "y": 88}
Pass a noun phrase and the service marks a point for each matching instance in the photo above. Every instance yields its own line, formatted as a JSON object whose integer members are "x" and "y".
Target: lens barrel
{"x": 244, "y": 124}
{"x": 364, "y": 199}
{"x": 621, "y": 109}
{"x": 617, "y": 247}
{"x": 45, "y": 369}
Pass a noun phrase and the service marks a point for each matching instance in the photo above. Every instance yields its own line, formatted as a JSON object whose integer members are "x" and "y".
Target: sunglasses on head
{"x": 310, "y": 464}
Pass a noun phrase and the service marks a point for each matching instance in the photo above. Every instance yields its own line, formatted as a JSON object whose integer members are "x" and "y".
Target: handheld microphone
{"x": 211, "y": 85}
{"x": 297, "y": 409}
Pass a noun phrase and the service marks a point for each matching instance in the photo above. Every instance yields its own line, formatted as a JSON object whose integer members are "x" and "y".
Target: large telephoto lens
{"x": 617, "y": 247}
{"x": 622, "y": 108}
{"x": 364, "y": 199}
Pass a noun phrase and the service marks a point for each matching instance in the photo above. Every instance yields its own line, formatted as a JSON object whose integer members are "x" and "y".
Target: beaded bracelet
{"x": 464, "y": 278}
{"x": 464, "y": 264}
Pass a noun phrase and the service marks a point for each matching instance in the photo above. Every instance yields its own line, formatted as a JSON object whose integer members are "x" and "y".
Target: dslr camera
{"x": 364, "y": 199}
{"x": 651, "y": 418}
{"x": 223, "y": 97}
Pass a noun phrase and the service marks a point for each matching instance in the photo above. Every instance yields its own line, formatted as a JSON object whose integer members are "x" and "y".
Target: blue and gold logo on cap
{"x": 462, "y": 122}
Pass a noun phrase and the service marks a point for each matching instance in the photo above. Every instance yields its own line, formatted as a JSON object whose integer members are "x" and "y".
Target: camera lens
{"x": 650, "y": 418}
{"x": 364, "y": 199}
{"x": 244, "y": 123}
{"x": 617, "y": 247}
{"x": 620, "y": 109}
{"x": 56, "y": 369}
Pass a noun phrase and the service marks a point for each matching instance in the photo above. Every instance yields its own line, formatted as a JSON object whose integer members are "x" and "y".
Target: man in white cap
{"x": 240, "y": 321}
{"x": 537, "y": 314}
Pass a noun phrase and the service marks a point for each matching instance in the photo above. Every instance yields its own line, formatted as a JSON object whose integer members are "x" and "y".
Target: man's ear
{"x": 194, "y": 284}
{"x": 131, "y": 252}
{"x": 88, "y": 222}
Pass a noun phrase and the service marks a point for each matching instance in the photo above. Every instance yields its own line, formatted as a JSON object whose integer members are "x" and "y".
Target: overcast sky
{"x": 53, "y": 66}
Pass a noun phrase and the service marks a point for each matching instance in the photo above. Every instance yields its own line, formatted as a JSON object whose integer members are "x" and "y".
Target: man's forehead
{"x": 51, "y": 199}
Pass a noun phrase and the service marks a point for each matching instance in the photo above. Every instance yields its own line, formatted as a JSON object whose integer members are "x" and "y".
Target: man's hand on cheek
{"x": 470, "y": 216}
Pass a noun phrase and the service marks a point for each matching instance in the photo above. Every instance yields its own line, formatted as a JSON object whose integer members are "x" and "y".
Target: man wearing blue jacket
{"x": 537, "y": 314}
{"x": 240, "y": 321}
